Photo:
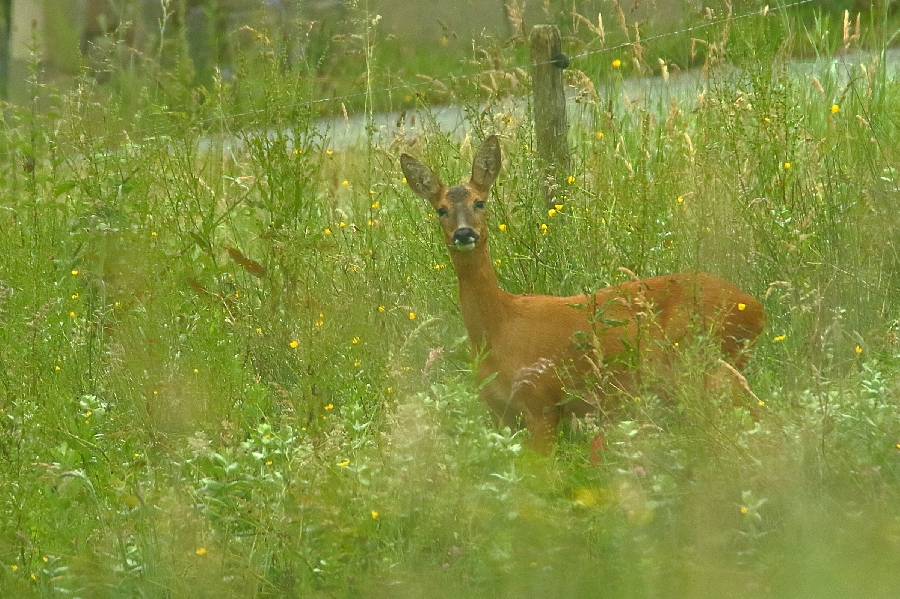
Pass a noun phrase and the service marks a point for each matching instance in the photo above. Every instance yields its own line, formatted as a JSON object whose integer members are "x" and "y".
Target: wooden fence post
{"x": 550, "y": 126}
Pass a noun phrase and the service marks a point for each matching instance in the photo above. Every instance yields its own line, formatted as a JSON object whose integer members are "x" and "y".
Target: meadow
{"x": 232, "y": 362}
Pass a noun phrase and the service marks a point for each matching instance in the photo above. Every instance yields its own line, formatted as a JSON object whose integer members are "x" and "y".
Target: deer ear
{"x": 423, "y": 182}
{"x": 486, "y": 165}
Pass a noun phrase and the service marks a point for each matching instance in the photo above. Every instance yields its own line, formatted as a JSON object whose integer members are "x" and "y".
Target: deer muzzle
{"x": 464, "y": 239}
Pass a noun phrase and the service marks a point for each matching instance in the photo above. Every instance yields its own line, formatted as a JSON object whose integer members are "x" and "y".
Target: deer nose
{"x": 465, "y": 238}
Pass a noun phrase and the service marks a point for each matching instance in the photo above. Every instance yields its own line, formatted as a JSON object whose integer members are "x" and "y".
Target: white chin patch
{"x": 465, "y": 247}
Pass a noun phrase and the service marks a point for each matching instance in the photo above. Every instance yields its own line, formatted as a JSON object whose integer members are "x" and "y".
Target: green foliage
{"x": 231, "y": 362}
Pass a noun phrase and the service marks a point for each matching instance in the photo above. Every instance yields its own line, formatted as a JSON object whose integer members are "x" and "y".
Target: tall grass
{"x": 231, "y": 361}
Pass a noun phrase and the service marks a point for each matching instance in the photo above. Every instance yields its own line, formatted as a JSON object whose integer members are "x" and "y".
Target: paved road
{"x": 652, "y": 92}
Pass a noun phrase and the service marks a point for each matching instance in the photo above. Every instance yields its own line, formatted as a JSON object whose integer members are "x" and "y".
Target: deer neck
{"x": 481, "y": 301}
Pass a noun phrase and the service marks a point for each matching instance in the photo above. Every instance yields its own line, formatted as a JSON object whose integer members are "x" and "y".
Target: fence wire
{"x": 412, "y": 86}
{"x": 416, "y": 87}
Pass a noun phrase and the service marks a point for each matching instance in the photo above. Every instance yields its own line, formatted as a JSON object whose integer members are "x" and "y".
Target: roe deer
{"x": 537, "y": 345}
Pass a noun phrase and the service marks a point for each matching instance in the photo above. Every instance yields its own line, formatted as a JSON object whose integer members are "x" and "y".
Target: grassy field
{"x": 238, "y": 369}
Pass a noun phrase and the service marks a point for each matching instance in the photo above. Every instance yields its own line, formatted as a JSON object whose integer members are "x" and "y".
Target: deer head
{"x": 461, "y": 208}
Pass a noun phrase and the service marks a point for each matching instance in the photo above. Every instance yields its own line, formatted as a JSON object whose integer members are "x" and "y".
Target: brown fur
{"x": 531, "y": 343}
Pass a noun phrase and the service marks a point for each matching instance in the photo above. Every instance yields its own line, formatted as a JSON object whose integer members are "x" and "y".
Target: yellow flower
{"x": 381, "y": 309}
{"x": 761, "y": 403}
{"x": 412, "y": 315}
{"x": 599, "y": 134}
{"x": 404, "y": 179}
{"x": 835, "y": 109}
{"x": 356, "y": 362}
{"x": 15, "y": 568}
{"x": 152, "y": 233}
{"x": 374, "y": 514}
{"x": 74, "y": 296}
{"x": 570, "y": 179}
{"x": 327, "y": 231}
{"x": 342, "y": 224}
{"x": 438, "y": 266}
{"x": 744, "y": 509}
{"x": 502, "y": 227}
{"x": 196, "y": 371}
{"x": 858, "y": 350}
{"x": 681, "y": 199}
{"x": 344, "y": 464}
{"x": 329, "y": 151}
{"x": 585, "y": 497}
{"x": 543, "y": 229}
{"x": 295, "y": 344}
{"x": 201, "y": 551}
{"x": 298, "y": 151}
{"x": 787, "y": 165}
{"x": 57, "y": 367}
{"x": 346, "y": 183}
{"x": 329, "y": 406}
{"x": 742, "y": 307}
{"x": 71, "y": 315}
{"x": 75, "y": 273}
{"x": 376, "y": 205}
{"x": 616, "y": 63}
{"x": 258, "y": 331}
{"x": 46, "y": 559}
{"x": 780, "y": 338}
{"x": 355, "y": 340}
{"x": 551, "y": 213}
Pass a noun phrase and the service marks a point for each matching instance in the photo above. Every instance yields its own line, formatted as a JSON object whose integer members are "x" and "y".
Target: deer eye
{"x": 479, "y": 205}
{"x": 442, "y": 212}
